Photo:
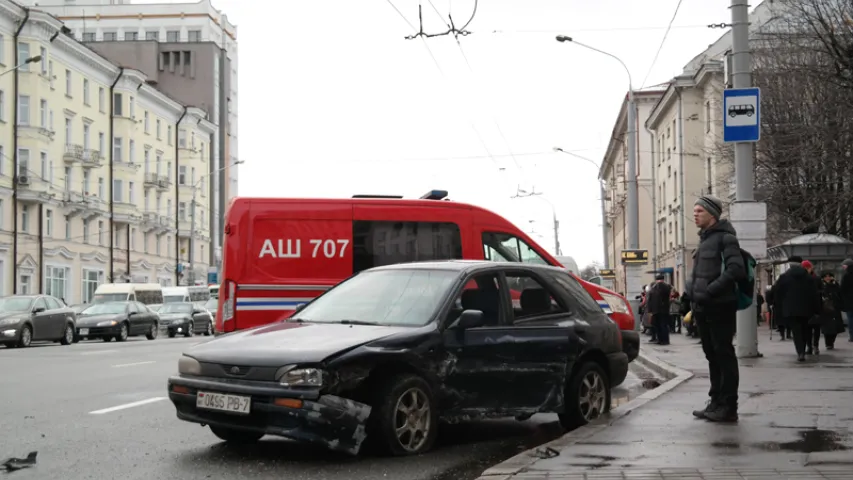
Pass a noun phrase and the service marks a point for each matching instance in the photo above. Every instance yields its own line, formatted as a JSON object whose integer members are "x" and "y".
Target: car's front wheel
{"x": 240, "y": 437}
{"x": 26, "y": 337}
{"x": 189, "y": 331}
{"x": 587, "y": 396}
{"x": 403, "y": 419}
{"x": 122, "y": 333}
{"x": 152, "y": 332}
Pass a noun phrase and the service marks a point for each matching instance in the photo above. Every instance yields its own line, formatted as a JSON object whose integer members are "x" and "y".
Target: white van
{"x": 198, "y": 294}
{"x": 214, "y": 291}
{"x": 147, "y": 293}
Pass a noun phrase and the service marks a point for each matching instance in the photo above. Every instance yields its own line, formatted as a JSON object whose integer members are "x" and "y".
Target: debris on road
{"x": 13, "y": 464}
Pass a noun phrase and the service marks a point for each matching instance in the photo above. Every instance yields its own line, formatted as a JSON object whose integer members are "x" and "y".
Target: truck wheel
{"x": 403, "y": 420}
{"x": 587, "y": 396}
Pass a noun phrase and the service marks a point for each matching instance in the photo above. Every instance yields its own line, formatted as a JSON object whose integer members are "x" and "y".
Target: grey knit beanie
{"x": 711, "y": 204}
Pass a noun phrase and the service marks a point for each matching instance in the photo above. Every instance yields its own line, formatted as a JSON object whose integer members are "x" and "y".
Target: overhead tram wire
{"x": 662, "y": 42}
{"x": 444, "y": 77}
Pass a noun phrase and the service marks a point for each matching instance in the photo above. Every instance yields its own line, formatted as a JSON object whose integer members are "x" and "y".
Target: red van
{"x": 282, "y": 252}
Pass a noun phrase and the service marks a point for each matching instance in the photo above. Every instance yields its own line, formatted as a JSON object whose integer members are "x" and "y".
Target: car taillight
{"x": 617, "y": 304}
{"x": 229, "y": 323}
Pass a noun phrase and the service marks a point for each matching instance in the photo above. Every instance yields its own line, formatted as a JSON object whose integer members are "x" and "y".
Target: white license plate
{"x": 84, "y": 331}
{"x": 224, "y": 403}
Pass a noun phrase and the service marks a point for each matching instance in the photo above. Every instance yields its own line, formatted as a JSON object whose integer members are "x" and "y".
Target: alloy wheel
{"x": 593, "y": 396}
{"x": 412, "y": 419}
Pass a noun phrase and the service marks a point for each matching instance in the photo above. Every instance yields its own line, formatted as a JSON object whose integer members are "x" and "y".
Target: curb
{"x": 674, "y": 377}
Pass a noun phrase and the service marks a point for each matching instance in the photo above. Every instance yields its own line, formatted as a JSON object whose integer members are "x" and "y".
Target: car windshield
{"x": 109, "y": 297}
{"x": 176, "y": 308}
{"x": 383, "y": 297}
{"x": 173, "y": 298}
{"x": 16, "y": 304}
{"x": 211, "y": 304}
{"x": 112, "y": 308}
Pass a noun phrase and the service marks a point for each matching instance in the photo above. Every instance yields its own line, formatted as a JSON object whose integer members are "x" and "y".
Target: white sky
{"x": 333, "y": 101}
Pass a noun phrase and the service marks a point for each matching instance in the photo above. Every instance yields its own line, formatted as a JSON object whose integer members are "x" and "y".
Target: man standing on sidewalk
{"x": 657, "y": 305}
{"x": 798, "y": 301}
{"x": 847, "y": 295}
{"x": 717, "y": 266}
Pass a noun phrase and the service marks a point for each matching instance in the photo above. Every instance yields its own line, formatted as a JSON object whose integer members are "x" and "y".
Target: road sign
{"x": 741, "y": 115}
{"x": 607, "y": 273}
{"x": 635, "y": 257}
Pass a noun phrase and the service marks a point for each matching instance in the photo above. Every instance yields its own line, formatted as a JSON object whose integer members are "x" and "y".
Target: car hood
{"x": 288, "y": 342}
{"x": 13, "y": 315}
{"x": 92, "y": 320}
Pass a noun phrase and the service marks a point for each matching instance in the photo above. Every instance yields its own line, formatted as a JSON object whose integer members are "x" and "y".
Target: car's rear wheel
{"x": 403, "y": 420}
{"x": 68, "y": 336}
{"x": 587, "y": 396}
{"x": 209, "y": 330}
{"x": 239, "y": 437}
{"x": 152, "y": 333}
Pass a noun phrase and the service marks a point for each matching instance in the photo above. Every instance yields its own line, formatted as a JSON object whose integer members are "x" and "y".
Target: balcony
{"x": 150, "y": 222}
{"x": 152, "y": 180}
{"x": 163, "y": 182}
{"x": 34, "y": 189}
{"x": 95, "y": 207}
{"x": 126, "y": 167}
{"x": 184, "y": 228}
{"x": 167, "y": 224}
{"x": 33, "y": 132}
{"x": 73, "y": 153}
{"x": 124, "y": 212}
{"x": 92, "y": 158}
{"x": 74, "y": 203}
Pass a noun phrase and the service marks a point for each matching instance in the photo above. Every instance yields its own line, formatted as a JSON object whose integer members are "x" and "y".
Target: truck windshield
{"x": 109, "y": 297}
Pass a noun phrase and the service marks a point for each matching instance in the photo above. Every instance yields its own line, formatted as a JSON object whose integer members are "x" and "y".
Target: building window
{"x": 117, "y": 190}
{"x": 102, "y": 194}
{"x": 132, "y": 239}
{"x": 131, "y": 151}
{"x": 132, "y": 108}
{"x": 182, "y": 211}
{"x": 110, "y": 36}
{"x": 131, "y": 36}
{"x": 152, "y": 35}
{"x": 85, "y": 230}
{"x": 23, "y": 55}
{"x": 102, "y": 93}
{"x": 45, "y": 173}
{"x": 86, "y": 99}
{"x": 91, "y": 280}
{"x": 146, "y": 159}
{"x": 43, "y": 113}
{"x": 159, "y": 129}
{"x": 130, "y": 195}
{"x": 2, "y": 105}
{"x": 25, "y": 284}
{"x": 169, "y": 134}
{"x": 67, "y": 179}
{"x": 101, "y": 140}
{"x": 24, "y": 110}
{"x": 68, "y": 131}
{"x": 68, "y": 82}
{"x": 387, "y": 243}
{"x": 23, "y": 162}
{"x": 67, "y": 227}
{"x": 182, "y": 138}
{"x": 182, "y": 175}
{"x": 101, "y": 233}
{"x": 25, "y": 218}
{"x": 2, "y": 49}
{"x": 117, "y": 141}
{"x": 87, "y": 133}
{"x": 56, "y": 281}
{"x": 117, "y": 105}
{"x": 48, "y": 223}
{"x": 43, "y": 62}
{"x": 194, "y": 36}
{"x": 173, "y": 36}
{"x": 88, "y": 36}
{"x": 147, "y": 122}
{"x": 50, "y": 73}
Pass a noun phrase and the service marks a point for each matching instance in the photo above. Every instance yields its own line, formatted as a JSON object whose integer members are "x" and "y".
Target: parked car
{"x": 393, "y": 349}
{"x": 185, "y": 318}
{"x": 117, "y": 320}
{"x": 210, "y": 306}
{"x": 28, "y": 318}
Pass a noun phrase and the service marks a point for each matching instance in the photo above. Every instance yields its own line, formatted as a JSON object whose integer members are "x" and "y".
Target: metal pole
{"x": 556, "y": 232}
{"x": 747, "y": 326}
{"x": 633, "y": 201}
{"x": 604, "y": 225}
{"x": 191, "y": 273}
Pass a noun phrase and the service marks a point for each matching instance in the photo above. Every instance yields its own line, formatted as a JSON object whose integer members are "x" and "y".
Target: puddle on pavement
{"x": 811, "y": 441}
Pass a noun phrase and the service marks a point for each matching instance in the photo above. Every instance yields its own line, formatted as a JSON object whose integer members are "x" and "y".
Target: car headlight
{"x": 617, "y": 305}
{"x": 189, "y": 366}
{"x": 290, "y": 376}
{"x": 108, "y": 323}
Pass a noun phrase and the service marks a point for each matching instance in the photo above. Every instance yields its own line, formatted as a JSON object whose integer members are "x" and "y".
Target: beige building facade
{"x": 105, "y": 162}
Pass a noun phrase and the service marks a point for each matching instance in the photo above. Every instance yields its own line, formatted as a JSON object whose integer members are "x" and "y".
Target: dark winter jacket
{"x": 717, "y": 266}
{"x": 847, "y": 287}
{"x": 796, "y": 294}
{"x": 658, "y": 298}
{"x": 831, "y": 320}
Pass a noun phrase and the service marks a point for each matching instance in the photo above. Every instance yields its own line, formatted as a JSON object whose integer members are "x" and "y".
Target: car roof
{"x": 466, "y": 266}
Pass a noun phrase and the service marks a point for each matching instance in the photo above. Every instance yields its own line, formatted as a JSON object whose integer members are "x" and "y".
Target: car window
{"x": 581, "y": 300}
{"x": 52, "y": 303}
{"x": 141, "y": 307}
{"x": 531, "y": 298}
{"x": 40, "y": 303}
{"x": 131, "y": 308}
{"x": 480, "y": 293}
{"x": 503, "y": 247}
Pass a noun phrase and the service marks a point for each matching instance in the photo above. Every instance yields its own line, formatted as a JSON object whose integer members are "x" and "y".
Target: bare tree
{"x": 589, "y": 271}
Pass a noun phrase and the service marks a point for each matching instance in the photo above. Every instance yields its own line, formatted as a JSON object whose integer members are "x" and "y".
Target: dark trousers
{"x": 717, "y": 331}
{"x": 804, "y": 334}
{"x": 830, "y": 339}
{"x": 661, "y": 323}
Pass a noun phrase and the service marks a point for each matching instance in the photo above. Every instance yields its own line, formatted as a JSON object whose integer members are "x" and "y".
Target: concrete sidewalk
{"x": 795, "y": 422}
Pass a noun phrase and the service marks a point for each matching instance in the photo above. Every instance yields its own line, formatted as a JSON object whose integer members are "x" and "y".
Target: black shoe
{"x": 723, "y": 415}
{"x": 816, "y": 351}
{"x": 830, "y": 347}
{"x": 809, "y": 351}
{"x": 801, "y": 357}
{"x": 709, "y": 407}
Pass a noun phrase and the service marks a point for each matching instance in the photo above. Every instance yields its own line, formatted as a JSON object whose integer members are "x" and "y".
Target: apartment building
{"x": 99, "y": 168}
{"x": 613, "y": 171}
{"x": 189, "y": 50}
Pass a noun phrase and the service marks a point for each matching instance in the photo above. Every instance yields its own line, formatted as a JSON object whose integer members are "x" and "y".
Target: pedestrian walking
{"x": 759, "y": 302}
{"x": 832, "y": 324}
{"x": 718, "y": 265}
{"x": 675, "y": 312}
{"x": 657, "y": 304}
{"x": 797, "y": 300}
{"x": 813, "y": 326}
{"x": 847, "y": 295}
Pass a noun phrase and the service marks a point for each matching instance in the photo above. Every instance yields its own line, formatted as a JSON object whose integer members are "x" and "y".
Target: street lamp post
{"x": 28, "y": 61}
{"x": 523, "y": 193}
{"x": 193, "y": 203}
{"x": 633, "y": 273}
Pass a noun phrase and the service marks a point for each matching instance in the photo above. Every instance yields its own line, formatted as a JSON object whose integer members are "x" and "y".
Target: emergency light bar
{"x": 431, "y": 195}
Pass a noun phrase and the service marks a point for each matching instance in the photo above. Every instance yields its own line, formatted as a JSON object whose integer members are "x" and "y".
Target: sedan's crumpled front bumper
{"x": 335, "y": 422}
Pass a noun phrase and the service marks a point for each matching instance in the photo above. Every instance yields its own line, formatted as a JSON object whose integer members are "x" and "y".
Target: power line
{"x": 604, "y": 29}
{"x": 663, "y": 40}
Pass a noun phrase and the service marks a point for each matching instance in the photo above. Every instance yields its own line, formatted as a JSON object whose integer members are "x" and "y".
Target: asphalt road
{"x": 99, "y": 410}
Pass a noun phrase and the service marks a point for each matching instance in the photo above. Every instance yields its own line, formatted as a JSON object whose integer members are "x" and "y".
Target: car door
{"x": 200, "y": 319}
{"x": 137, "y": 321}
{"x": 146, "y": 316}
{"x": 57, "y": 316}
{"x": 593, "y": 327}
{"x": 43, "y": 328}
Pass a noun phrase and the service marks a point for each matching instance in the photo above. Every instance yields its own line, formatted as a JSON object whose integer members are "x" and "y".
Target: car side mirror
{"x": 39, "y": 309}
{"x": 469, "y": 319}
{"x": 130, "y": 314}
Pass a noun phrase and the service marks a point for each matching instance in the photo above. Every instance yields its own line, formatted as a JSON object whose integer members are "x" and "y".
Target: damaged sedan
{"x": 393, "y": 350}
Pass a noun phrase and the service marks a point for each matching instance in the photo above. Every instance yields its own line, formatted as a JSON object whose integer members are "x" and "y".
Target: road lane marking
{"x": 128, "y": 405}
{"x": 133, "y": 364}
{"x": 98, "y": 352}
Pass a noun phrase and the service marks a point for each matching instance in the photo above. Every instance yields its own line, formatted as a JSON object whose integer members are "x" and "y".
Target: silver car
{"x": 28, "y": 318}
